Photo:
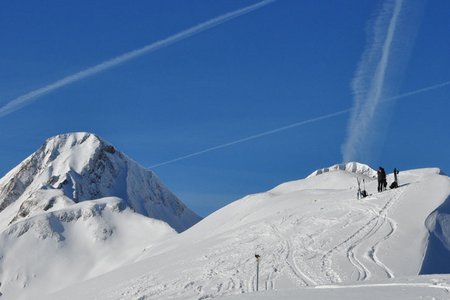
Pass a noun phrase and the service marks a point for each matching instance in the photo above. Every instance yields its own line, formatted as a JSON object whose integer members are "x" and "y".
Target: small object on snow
{"x": 364, "y": 193}
{"x": 361, "y": 193}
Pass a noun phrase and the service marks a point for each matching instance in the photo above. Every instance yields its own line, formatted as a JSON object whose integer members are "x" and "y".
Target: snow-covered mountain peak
{"x": 81, "y": 205}
{"x": 352, "y": 167}
{"x": 83, "y": 167}
{"x": 75, "y": 149}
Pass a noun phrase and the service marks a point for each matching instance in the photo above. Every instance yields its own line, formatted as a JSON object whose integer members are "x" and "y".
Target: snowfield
{"x": 54, "y": 250}
{"x": 316, "y": 240}
{"x": 414, "y": 288}
{"x": 80, "y": 220}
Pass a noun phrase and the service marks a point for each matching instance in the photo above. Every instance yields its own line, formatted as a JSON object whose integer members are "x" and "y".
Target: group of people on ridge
{"x": 382, "y": 182}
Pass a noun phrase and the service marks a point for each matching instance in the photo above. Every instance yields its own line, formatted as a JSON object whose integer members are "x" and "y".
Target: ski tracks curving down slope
{"x": 361, "y": 245}
{"x": 382, "y": 227}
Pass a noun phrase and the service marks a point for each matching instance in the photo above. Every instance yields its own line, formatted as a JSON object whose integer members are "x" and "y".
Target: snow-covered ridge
{"x": 353, "y": 167}
{"x": 84, "y": 167}
{"x": 336, "y": 177}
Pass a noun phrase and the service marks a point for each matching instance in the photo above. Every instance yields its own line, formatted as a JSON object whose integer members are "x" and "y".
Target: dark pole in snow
{"x": 358, "y": 194}
{"x": 258, "y": 258}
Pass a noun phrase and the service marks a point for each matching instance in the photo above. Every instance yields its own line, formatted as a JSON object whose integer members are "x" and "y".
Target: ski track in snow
{"x": 309, "y": 232}
{"x": 355, "y": 245}
{"x": 302, "y": 258}
{"x": 298, "y": 275}
{"x": 312, "y": 247}
{"x": 386, "y": 229}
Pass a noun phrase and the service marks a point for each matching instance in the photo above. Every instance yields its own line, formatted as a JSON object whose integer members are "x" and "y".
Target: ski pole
{"x": 258, "y": 258}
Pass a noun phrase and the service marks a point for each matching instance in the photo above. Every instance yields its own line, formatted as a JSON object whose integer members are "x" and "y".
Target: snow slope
{"x": 50, "y": 251}
{"x": 309, "y": 233}
{"x": 78, "y": 208}
{"x": 411, "y": 288}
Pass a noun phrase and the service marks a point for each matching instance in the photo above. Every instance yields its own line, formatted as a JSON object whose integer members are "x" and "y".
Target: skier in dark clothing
{"x": 381, "y": 174}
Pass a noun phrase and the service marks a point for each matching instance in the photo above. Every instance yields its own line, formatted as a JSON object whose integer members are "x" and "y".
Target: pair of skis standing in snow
{"x": 382, "y": 183}
{"x": 361, "y": 193}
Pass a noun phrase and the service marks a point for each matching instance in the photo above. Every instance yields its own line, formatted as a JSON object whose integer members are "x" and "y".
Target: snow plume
{"x": 29, "y": 97}
{"x": 376, "y": 75}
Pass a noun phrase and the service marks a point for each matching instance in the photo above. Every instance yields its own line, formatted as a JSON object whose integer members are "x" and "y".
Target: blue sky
{"x": 284, "y": 63}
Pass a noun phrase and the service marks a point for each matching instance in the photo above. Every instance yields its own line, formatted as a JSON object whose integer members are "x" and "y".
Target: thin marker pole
{"x": 258, "y": 258}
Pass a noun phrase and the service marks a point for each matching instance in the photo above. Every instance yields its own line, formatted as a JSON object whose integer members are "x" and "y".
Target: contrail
{"x": 28, "y": 98}
{"x": 369, "y": 82}
{"x": 298, "y": 124}
{"x": 255, "y": 136}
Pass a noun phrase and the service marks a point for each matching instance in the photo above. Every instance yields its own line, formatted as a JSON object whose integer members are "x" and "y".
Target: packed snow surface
{"x": 315, "y": 239}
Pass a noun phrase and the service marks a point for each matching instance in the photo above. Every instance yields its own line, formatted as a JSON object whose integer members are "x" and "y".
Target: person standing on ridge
{"x": 381, "y": 175}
